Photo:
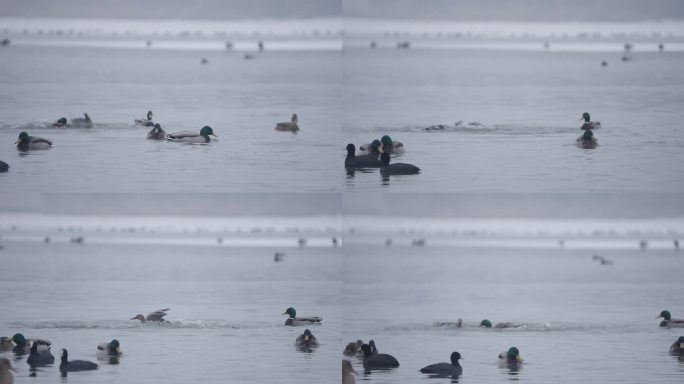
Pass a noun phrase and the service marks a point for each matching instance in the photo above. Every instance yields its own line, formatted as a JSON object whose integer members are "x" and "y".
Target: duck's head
{"x": 346, "y": 366}
{"x": 294, "y": 118}
{"x": 113, "y": 347}
{"x": 665, "y": 315}
{"x": 62, "y": 120}
{"x": 206, "y": 131}
{"x": 307, "y": 335}
{"x": 486, "y": 323}
{"x": 513, "y": 355}
{"x": 586, "y": 117}
{"x": 23, "y": 138}
{"x": 376, "y": 146}
{"x": 455, "y": 357}
{"x": 386, "y": 141}
{"x": 149, "y": 115}
{"x": 157, "y": 128}
{"x": 385, "y": 157}
{"x": 587, "y": 135}
{"x": 19, "y": 339}
{"x": 351, "y": 149}
{"x": 138, "y": 317}
{"x": 290, "y": 312}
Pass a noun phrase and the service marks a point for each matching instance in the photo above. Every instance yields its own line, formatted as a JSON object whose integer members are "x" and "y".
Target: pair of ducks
{"x": 204, "y": 136}
{"x": 587, "y": 139}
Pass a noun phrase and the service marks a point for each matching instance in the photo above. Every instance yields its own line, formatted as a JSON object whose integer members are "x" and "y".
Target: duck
{"x": 29, "y": 143}
{"x": 39, "y": 356}
{"x": 145, "y": 122}
{"x": 7, "y": 371}
{"x": 511, "y": 358}
{"x": 4, "y": 167}
{"x": 362, "y": 161}
{"x": 587, "y": 140}
{"x": 388, "y": 145}
{"x": 82, "y": 122}
{"x": 488, "y": 324}
{"x": 156, "y": 316}
{"x": 348, "y": 372}
{"x": 668, "y": 321}
{"x": 377, "y": 360}
{"x": 374, "y": 149}
{"x": 6, "y": 343}
{"x": 445, "y": 369}
{"x": 112, "y": 348}
{"x": 457, "y": 324}
{"x": 23, "y": 345}
{"x": 74, "y": 365}
{"x": 588, "y": 124}
{"x": 306, "y": 340}
{"x": 294, "y": 320}
{"x": 192, "y": 137}
{"x": 157, "y": 133}
{"x": 388, "y": 169}
{"x": 353, "y": 348}
{"x": 291, "y": 126}
{"x": 677, "y": 348}
{"x": 60, "y": 123}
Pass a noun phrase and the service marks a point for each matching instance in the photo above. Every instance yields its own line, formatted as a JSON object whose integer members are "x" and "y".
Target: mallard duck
{"x": 29, "y": 143}
{"x": 82, "y": 122}
{"x": 7, "y": 371}
{"x": 145, "y": 122}
{"x": 294, "y": 320}
{"x": 60, "y": 123}
{"x": 353, "y": 348}
{"x": 511, "y": 357}
{"x": 677, "y": 348}
{"x": 348, "y": 372}
{"x": 39, "y": 356}
{"x": 373, "y": 149}
{"x": 157, "y": 133}
{"x": 6, "y": 343}
{"x": 112, "y": 348}
{"x": 488, "y": 324}
{"x": 669, "y": 322}
{"x": 156, "y": 316}
{"x": 445, "y": 369}
{"x": 74, "y": 365}
{"x": 23, "y": 345}
{"x": 291, "y": 126}
{"x": 362, "y": 161}
{"x": 388, "y": 169}
{"x": 587, "y": 140}
{"x": 377, "y": 360}
{"x": 192, "y": 137}
{"x": 388, "y": 145}
{"x": 306, "y": 340}
{"x": 588, "y": 124}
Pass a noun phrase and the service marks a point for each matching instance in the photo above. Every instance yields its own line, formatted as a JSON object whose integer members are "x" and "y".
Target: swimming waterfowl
{"x": 60, "y": 123}
{"x": 74, "y": 365}
{"x": 677, "y": 348}
{"x": 82, "y": 122}
{"x": 511, "y": 358}
{"x": 192, "y": 137}
{"x": 588, "y": 124}
{"x": 6, "y": 343}
{"x": 29, "y": 143}
{"x": 157, "y": 133}
{"x": 7, "y": 371}
{"x": 4, "y": 167}
{"x": 306, "y": 340}
{"x": 112, "y": 348}
{"x": 396, "y": 168}
{"x": 377, "y": 360}
{"x": 294, "y": 320}
{"x": 373, "y": 149}
{"x": 353, "y": 348}
{"x": 488, "y": 324}
{"x": 362, "y": 161}
{"x": 587, "y": 140}
{"x": 445, "y": 369}
{"x": 457, "y": 324}
{"x": 291, "y": 126}
{"x": 145, "y": 122}
{"x": 669, "y": 322}
{"x": 348, "y": 372}
{"x": 156, "y": 316}
{"x": 39, "y": 356}
{"x": 23, "y": 345}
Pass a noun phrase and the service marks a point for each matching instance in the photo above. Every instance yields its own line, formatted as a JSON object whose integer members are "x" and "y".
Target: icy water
{"x": 582, "y": 322}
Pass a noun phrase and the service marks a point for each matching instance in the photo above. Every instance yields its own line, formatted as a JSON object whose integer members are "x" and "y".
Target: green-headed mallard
{"x": 29, "y": 143}
{"x": 23, "y": 345}
{"x": 112, "y": 348}
{"x": 192, "y": 137}
{"x": 588, "y": 124}
{"x": 388, "y": 145}
{"x": 294, "y": 320}
{"x": 668, "y": 321}
{"x": 445, "y": 369}
{"x": 156, "y": 316}
{"x": 511, "y": 357}
{"x": 61, "y": 123}
{"x": 291, "y": 126}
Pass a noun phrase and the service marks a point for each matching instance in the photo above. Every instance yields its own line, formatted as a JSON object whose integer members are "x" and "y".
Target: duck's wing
{"x": 181, "y": 135}
{"x": 37, "y": 139}
{"x": 313, "y": 319}
{"x": 158, "y": 315}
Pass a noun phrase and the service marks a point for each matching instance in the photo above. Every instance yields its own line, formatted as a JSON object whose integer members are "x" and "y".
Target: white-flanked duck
{"x": 669, "y": 322}
{"x": 74, "y": 365}
{"x": 204, "y": 136}
{"x": 294, "y": 320}
{"x": 388, "y": 145}
{"x": 156, "y": 133}
{"x": 25, "y": 142}
{"x": 291, "y": 126}
{"x": 156, "y": 316}
{"x": 388, "y": 169}
{"x": 445, "y": 369}
{"x": 82, "y": 122}
{"x": 588, "y": 124}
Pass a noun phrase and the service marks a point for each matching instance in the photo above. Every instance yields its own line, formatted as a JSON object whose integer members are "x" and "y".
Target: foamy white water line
{"x": 184, "y": 45}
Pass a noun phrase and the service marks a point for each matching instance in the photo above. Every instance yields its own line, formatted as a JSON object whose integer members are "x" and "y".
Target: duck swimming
{"x": 587, "y": 140}
{"x": 457, "y": 324}
{"x": 372, "y": 149}
{"x": 74, "y": 365}
{"x": 348, "y": 372}
{"x": 192, "y": 137}
{"x": 157, "y": 133}
{"x": 669, "y": 322}
{"x": 488, "y": 324}
{"x": 6, "y": 343}
{"x": 112, "y": 348}
{"x": 7, "y": 371}
{"x": 377, "y": 360}
{"x": 677, "y": 348}
{"x": 82, "y": 122}
{"x": 511, "y": 358}
{"x": 156, "y": 316}
{"x": 145, "y": 122}
{"x": 29, "y": 143}
{"x": 306, "y": 340}
{"x": 362, "y": 161}
{"x": 388, "y": 169}
{"x": 39, "y": 356}
{"x": 388, "y": 145}
{"x": 23, "y": 345}
{"x": 294, "y": 320}
{"x": 445, "y": 369}
{"x": 61, "y": 123}
{"x": 353, "y": 348}
{"x": 588, "y": 124}
{"x": 290, "y": 126}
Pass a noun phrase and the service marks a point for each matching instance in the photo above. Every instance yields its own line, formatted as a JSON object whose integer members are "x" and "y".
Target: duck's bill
{"x": 519, "y": 359}
{"x": 118, "y": 350}
{"x": 581, "y": 118}
{"x": 17, "y": 142}
{"x": 284, "y": 313}
{"x": 681, "y": 345}
{"x": 214, "y": 135}
{"x": 306, "y": 338}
